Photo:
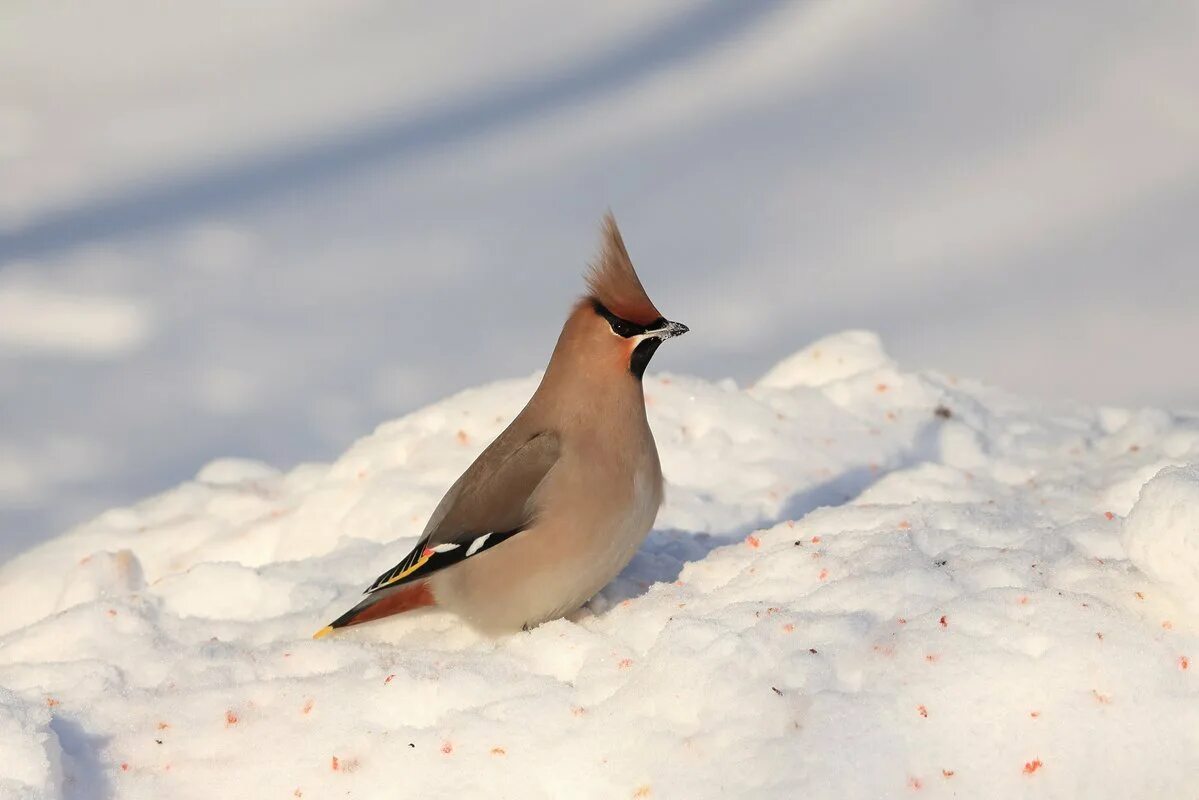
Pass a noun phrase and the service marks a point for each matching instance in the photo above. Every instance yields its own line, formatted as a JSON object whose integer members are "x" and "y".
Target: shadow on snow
{"x": 666, "y": 552}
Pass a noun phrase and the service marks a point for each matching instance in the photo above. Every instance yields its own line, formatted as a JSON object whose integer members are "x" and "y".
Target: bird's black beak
{"x": 667, "y": 330}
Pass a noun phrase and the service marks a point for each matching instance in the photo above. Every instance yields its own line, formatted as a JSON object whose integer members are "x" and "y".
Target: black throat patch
{"x": 642, "y": 353}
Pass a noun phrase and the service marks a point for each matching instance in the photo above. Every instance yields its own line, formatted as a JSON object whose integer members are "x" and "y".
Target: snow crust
{"x": 865, "y": 583}
{"x": 31, "y": 752}
{"x": 1162, "y": 532}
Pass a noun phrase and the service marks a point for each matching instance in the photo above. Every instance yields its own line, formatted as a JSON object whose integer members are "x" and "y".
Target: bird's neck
{"x": 588, "y": 383}
{"x": 578, "y": 394}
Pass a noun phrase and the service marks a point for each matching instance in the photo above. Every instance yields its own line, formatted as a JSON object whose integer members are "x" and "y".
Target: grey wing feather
{"x": 494, "y": 495}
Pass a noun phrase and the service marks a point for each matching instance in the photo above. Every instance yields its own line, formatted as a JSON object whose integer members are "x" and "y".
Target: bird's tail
{"x": 382, "y": 604}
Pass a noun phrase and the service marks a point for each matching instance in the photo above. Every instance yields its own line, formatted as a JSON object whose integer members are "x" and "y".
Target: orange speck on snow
{"x": 1140, "y": 595}
{"x": 499, "y": 751}
{"x": 1101, "y": 698}
{"x": 947, "y": 773}
{"x": 51, "y": 702}
{"x": 1022, "y": 600}
{"x": 1099, "y": 636}
{"x": 230, "y": 717}
{"x": 626, "y": 603}
{"x": 308, "y": 705}
{"x": 932, "y": 658}
{"x": 882, "y": 387}
{"x": 1167, "y": 624}
{"x": 904, "y": 525}
{"x": 753, "y": 541}
{"x": 788, "y": 628}
{"x": 1110, "y": 516}
{"x": 463, "y": 437}
{"x": 124, "y": 766}
{"x": 643, "y": 791}
{"x": 944, "y": 621}
{"x": 1184, "y": 662}
{"x": 112, "y": 612}
{"x": 625, "y": 663}
{"x": 823, "y": 574}
{"x": 447, "y": 747}
{"x": 297, "y": 792}
{"x": 162, "y": 726}
{"x": 578, "y": 711}
{"x": 815, "y": 540}
{"x": 922, "y": 711}
{"x": 1032, "y": 766}
{"x": 902, "y": 620}
{"x": 1034, "y": 714}
{"x": 915, "y": 783}
{"x": 335, "y": 765}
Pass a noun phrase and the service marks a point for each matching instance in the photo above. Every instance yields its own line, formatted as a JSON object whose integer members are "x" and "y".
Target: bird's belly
{"x": 552, "y": 568}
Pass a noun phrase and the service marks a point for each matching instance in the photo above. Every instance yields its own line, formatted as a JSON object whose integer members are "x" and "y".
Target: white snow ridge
{"x": 865, "y": 583}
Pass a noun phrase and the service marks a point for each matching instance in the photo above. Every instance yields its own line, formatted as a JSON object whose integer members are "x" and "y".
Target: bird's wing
{"x": 491, "y": 502}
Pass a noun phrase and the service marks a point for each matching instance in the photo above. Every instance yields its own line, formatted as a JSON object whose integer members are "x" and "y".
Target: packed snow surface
{"x": 865, "y": 583}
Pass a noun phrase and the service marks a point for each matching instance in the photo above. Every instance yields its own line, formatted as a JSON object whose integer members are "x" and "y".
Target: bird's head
{"x": 616, "y": 326}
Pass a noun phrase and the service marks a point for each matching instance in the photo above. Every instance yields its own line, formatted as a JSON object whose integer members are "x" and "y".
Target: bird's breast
{"x": 593, "y": 514}
{"x": 620, "y": 522}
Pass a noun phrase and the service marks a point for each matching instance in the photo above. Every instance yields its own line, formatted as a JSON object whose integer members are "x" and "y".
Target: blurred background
{"x": 259, "y": 229}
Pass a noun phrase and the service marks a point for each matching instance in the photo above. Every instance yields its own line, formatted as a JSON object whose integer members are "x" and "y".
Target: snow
{"x": 866, "y": 582}
{"x": 31, "y": 750}
{"x": 855, "y": 352}
{"x": 1161, "y": 535}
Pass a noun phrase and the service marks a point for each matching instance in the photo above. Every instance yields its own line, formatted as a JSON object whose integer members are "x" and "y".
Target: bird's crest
{"x": 612, "y": 281}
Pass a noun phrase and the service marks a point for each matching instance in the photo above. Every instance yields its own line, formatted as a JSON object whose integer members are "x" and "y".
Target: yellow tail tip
{"x": 323, "y": 632}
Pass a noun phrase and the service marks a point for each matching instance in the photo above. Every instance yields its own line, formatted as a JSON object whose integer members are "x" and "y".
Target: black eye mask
{"x": 623, "y": 327}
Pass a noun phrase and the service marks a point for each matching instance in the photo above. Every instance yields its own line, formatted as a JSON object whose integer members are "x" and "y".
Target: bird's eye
{"x": 622, "y": 328}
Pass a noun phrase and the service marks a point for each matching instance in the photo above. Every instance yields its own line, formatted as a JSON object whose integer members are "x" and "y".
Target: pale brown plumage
{"x": 557, "y": 505}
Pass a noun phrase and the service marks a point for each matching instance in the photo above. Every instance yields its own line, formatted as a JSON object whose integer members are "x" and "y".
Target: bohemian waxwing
{"x": 558, "y": 504}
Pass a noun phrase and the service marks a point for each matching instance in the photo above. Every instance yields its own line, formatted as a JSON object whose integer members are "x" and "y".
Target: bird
{"x": 557, "y": 505}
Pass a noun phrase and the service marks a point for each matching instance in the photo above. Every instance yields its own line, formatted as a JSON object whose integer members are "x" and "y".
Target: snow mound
{"x": 1161, "y": 533}
{"x": 30, "y": 756}
{"x": 865, "y": 583}
{"x": 833, "y": 358}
